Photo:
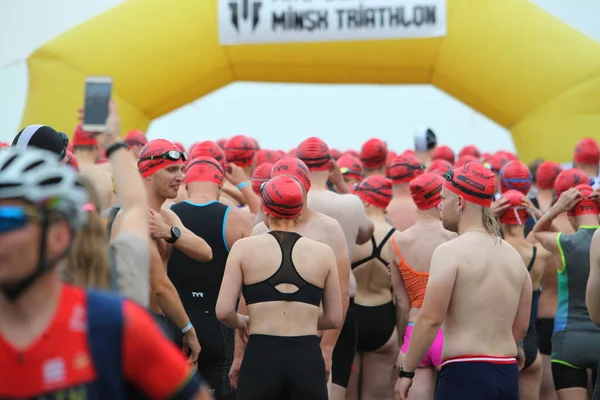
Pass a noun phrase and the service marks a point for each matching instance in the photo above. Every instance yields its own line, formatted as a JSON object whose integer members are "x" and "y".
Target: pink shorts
{"x": 433, "y": 357}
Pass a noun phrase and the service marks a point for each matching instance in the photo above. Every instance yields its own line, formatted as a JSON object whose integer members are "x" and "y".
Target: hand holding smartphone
{"x": 98, "y": 91}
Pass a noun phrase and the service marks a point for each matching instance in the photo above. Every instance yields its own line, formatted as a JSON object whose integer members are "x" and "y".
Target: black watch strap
{"x": 405, "y": 374}
{"x": 114, "y": 147}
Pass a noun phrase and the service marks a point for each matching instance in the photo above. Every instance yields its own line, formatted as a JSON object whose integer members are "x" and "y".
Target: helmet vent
{"x": 34, "y": 165}
{"x": 51, "y": 181}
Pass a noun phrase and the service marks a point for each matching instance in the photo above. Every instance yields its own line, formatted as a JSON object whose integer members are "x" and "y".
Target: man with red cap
{"x": 576, "y": 339}
{"x": 373, "y": 155}
{"x": 410, "y": 256}
{"x": 136, "y": 140}
{"x": 324, "y": 229}
{"x": 198, "y": 282}
{"x": 348, "y": 210}
{"x": 161, "y": 166}
{"x": 587, "y": 159}
{"x": 479, "y": 288}
{"x": 241, "y": 151}
{"x": 401, "y": 211}
{"x": 87, "y": 151}
{"x": 352, "y": 170}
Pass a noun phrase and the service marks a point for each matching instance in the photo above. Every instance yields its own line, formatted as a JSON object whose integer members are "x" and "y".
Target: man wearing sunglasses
{"x": 161, "y": 165}
{"x": 57, "y": 340}
{"x": 480, "y": 289}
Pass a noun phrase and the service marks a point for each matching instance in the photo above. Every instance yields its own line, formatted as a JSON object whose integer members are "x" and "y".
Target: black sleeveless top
{"x": 198, "y": 283}
{"x": 376, "y": 250}
{"x": 265, "y": 291}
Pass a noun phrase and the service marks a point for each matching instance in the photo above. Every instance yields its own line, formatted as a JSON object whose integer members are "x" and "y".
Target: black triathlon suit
{"x": 283, "y": 367}
{"x": 198, "y": 284}
{"x": 530, "y": 341}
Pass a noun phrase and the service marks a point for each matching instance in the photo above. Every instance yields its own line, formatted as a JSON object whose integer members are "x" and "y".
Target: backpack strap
{"x": 105, "y": 337}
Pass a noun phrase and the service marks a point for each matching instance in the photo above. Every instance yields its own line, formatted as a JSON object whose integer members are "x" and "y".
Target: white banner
{"x": 289, "y": 21}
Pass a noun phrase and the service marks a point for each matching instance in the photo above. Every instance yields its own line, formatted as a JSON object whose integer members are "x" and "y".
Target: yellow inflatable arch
{"x": 508, "y": 59}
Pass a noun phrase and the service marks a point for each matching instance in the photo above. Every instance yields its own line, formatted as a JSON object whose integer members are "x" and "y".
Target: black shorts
{"x": 282, "y": 367}
{"x": 344, "y": 350}
{"x": 572, "y": 353}
{"x": 544, "y": 328}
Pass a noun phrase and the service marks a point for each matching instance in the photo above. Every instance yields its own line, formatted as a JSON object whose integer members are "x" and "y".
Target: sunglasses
{"x": 346, "y": 170}
{"x": 172, "y": 155}
{"x": 449, "y": 176}
{"x": 13, "y": 218}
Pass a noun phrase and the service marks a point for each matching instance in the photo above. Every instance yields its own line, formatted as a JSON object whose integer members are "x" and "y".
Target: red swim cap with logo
{"x": 470, "y": 150}
{"x": 135, "y": 138}
{"x": 240, "y": 150}
{"x": 439, "y": 167}
{"x": 282, "y": 197}
{"x": 516, "y": 214}
{"x": 515, "y": 175}
{"x": 261, "y": 174}
{"x": 208, "y": 148}
{"x": 375, "y": 190}
{"x": 294, "y": 167}
{"x": 373, "y": 153}
{"x": 404, "y": 169}
{"x": 204, "y": 169}
{"x": 587, "y": 206}
{"x": 443, "y": 153}
{"x": 156, "y": 147}
{"x": 587, "y": 152}
{"x": 351, "y": 167}
{"x": 425, "y": 190}
{"x": 352, "y": 153}
{"x": 546, "y": 174}
{"x": 465, "y": 158}
{"x": 568, "y": 179}
{"x": 315, "y": 154}
{"x": 497, "y": 161}
{"x": 266, "y": 156}
{"x": 474, "y": 182}
{"x": 180, "y": 146}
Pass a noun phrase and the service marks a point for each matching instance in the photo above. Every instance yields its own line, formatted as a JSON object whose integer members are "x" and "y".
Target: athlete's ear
{"x": 460, "y": 205}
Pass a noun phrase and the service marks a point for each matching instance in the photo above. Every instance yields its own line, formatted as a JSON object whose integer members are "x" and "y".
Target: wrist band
{"x": 242, "y": 185}
{"x": 187, "y": 327}
{"x": 111, "y": 149}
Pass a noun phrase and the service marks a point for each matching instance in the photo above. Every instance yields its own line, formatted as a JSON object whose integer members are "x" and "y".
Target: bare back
{"x": 490, "y": 276}
{"x": 401, "y": 213}
{"x": 373, "y": 280}
{"x": 262, "y": 259}
{"x": 525, "y": 250}
{"x": 102, "y": 181}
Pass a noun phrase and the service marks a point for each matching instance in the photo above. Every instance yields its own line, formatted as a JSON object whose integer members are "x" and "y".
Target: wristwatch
{"x": 405, "y": 374}
{"x": 175, "y": 235}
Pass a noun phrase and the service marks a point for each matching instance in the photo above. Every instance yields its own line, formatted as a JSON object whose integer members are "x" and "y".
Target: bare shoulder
{"x": 249, "y": 244}
{"x": 353, "y": 201}
{"x": 259, "y": 229}
{"x": 240, "y": 214}
{"x": 330, "y": 224}
{"x": 316, "y": 249}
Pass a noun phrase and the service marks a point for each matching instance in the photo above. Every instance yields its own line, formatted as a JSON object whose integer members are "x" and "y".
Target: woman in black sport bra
{"x": 283, "y": 277}
{"x": 373, "y": 374}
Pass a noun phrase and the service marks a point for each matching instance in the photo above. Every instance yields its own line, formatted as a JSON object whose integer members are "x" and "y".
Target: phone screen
{"x": 97, "y": 96}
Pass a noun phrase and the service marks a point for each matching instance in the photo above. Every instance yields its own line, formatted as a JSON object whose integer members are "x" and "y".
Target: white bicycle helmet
{"x": 37, "y": 176}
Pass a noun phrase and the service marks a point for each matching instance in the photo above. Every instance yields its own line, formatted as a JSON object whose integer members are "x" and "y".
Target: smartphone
{"x": 98, "y": 91}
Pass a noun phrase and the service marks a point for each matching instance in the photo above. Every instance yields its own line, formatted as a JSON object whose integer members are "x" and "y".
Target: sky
{"x": 277, "y": 115}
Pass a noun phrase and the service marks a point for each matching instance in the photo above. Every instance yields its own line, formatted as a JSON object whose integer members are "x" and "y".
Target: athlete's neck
{"x": 428, "y": 216}
{"x": 514, "y": 233}
{"x": 155, "y": 201}
{"x": 400, "y": 190}
{"x": 42, "y": 296}
{"x": 86, "y": 158}
{"x": 318, "y": 180}
{"x": 203, "y": 192}
{"x": 546, "y": 194}
{"x": 587, "y": 220}
{"x": 590, "y": 170}
{"x": 282, "y": 224}
{"x": 472, "y": 220}
{"x": 375, "y": 171}
{"x": 374, "y": 212}
{"x": 247, "y": 171}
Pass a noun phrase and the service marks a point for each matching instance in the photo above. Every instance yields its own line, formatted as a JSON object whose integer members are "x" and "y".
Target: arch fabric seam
{"x": 50, "y": 56}
{"x": 224, "y": 49}
{"x": 432, "y": 69}
{"x": 559, "y": 94}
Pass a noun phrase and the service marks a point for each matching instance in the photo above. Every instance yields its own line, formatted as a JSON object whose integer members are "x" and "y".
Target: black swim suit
{"x": 344, "y": 350}
{"x": 376, "y": 253}
{"x": 375, "y": 325}
{"x": 544, "y": 328}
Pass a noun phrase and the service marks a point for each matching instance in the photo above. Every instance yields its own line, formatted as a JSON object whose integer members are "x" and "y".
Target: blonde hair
{"x": 87, "y": 263}
{"x": 489, "y": 221}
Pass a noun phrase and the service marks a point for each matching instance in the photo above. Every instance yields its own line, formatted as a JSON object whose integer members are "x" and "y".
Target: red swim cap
{"x": 496, "y": 161}
{"x": 409, "y": 152}
{"x": 515, "y": 175}
{"x": 71, "y": 160}
{"x": 508, "y": 155}
{"x": 375, "y": 190}
{"x": 335, "y": 153}
{"x": 351, "y": 167}
{"x": 569, "y": 179}
{"x": 466, "y": 158}
{"x": 208, "y": 148}
{"x": 157, "y": 148}
{"x": 240, "y": 150}
{"x": 587, "y": 206}
{"x": 485, "y": 157}
{"x": 222, "y": 143}
{"x": 546, "y": 174}
{"x": 352, "y": 153}
{"x": 516, "y": 214}
{"x": 135, "y": 138}
{"x": 266, "y": 156}
{"x": 261, "y": 174}
{"x": 443, "y": 153}
{"x": 439, "y": 167}
{"x": 204, "y": 169}
{"x": 315, "y": 154}
{"x": 373, "y": 153}
{"x": 425, "y": 190}
{"x": 282, "y": 197}
{"x": 404, "y": 169}
{"x": 470, "y": 150}
{"x": 587, "y": 152}
{"x": 294, "y": 167}
{"x": 180, "y": 146}
{"x": 83, "y": 138}
{"x": 474, "y": 182}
